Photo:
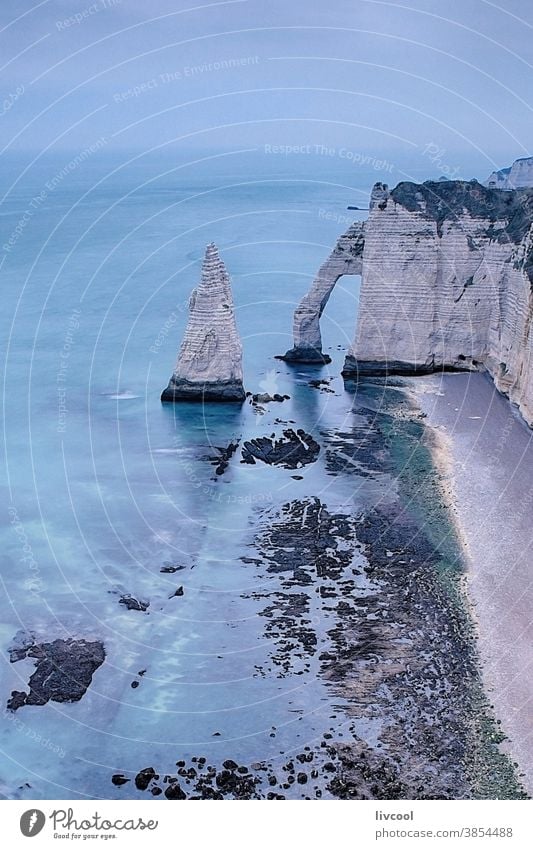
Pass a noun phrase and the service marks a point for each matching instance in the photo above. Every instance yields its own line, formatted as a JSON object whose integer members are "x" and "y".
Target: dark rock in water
{"x": 304, "y": 355}
{"x": 359, "y": 450}
{"x": 118, "y": 779}
{"x": 229, "y": 764}
{"x": 178, "y": 592}
{"x": 134, "y": 603}
{"x": 296, "y": 449}
{"x": 306, "y": 545}
{"x": 134, "y": 685}
{"x": 174, "y": 791}
{"x": 226, "y": 780}
{"x": 322, "y": 385}
{"x": 234, "y": 784}
{"x": 63, "y": 672}
{"x": 169, "y": 570}
{"x": 266, "y": 398}
{"x": 224, "y": 456}
{"x": 144, "y": 777}
{"x": 18, "y": 699}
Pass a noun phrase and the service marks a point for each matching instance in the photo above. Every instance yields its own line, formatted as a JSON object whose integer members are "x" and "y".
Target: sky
{"x": 447, "y": 87}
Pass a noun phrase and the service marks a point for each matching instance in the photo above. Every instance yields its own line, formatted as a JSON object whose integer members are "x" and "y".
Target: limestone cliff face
{"x": 209, "y": 365}
{"x": 447, "y": 284}
{"x": 345, "y": 258}
{"x": 518, "y": 176}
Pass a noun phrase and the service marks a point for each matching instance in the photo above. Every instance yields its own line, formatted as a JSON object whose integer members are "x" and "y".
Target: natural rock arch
{"x": 345, "y": 258}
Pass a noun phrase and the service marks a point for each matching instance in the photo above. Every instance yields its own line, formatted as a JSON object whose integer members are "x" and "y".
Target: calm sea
{"x": 103, "y": 484}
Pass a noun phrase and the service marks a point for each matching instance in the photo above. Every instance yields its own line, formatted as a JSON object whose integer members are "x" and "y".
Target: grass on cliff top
{"x": 447, "y": 200}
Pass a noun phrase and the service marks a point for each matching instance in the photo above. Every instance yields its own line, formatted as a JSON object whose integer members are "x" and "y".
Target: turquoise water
{"x": 103, "y": 484}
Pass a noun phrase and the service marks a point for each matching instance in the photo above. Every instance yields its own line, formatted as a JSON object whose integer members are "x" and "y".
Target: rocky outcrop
{"x": 519, "y": 175}
{"x": 345, "y": 258}
{"x": 209, "y": 365}
{"x": 447, "y": 284}
{"x": 294, "y": 450}
{"x": 132, "y": 603}
{"x": 63, "y": 670}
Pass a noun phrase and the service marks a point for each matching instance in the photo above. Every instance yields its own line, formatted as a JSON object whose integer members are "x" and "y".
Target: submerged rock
{"x": 119, "y": 779}
{"x": 296, "y": 449}
{"x": 134, "y": 603}
{"x": 209, "y": 366}
{"x": 144, "y": 777}
{"x": 221, "y": 461}
{"x": 266, "y": 398}
{"x": 64, "y": 671}
{"x": 174, "y": 791}
{"x": 321, "y": 385}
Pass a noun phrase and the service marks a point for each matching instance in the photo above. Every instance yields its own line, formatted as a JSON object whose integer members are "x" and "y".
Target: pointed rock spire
{"x": 209, "y": 366}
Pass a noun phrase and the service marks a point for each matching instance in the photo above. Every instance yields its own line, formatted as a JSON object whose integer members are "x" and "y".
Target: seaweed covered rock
{"x": 63, "y": 671}
{"x": 293, "y": 450}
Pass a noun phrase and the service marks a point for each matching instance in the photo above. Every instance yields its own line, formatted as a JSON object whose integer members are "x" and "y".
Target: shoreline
{"x": 367, "y": 605}
{"x": 467, "y": 417}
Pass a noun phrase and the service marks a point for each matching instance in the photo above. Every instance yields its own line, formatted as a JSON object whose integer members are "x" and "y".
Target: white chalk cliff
{"x": 209, "y": 365}
{"x": 519, "y": 175}
{"x": 345, "y": 258}
{"x": 447, "y": 275}
{"x": 447, "y": 284}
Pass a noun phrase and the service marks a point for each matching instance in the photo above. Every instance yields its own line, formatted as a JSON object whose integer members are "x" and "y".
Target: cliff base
{"x": 221, "y": 391}
{"x": 304, "y": 355}
{"x": 382, "y": 368}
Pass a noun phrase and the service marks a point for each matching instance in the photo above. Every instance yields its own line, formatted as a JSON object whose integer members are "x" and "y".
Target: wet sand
{"x": 490, "y": 464}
